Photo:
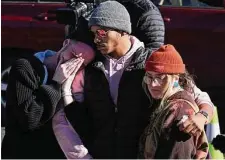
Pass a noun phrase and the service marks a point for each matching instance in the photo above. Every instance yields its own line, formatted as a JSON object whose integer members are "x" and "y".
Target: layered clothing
{"x": 162, "y": 138}
{"x": 115, "y": 108}
{"x": 32, "y": 100}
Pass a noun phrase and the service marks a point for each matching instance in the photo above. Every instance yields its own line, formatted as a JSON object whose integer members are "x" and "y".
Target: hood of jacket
{"x": 139, "y": 56}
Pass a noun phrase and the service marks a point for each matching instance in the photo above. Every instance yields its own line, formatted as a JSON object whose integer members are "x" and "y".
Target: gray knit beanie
{"x": 111, "y": 14}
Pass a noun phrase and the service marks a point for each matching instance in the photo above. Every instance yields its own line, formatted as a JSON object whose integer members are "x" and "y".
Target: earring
{"x": 175, "y": 84}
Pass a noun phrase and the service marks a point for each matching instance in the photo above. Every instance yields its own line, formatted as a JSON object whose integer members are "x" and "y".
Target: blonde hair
{"x": 167, "y": 94}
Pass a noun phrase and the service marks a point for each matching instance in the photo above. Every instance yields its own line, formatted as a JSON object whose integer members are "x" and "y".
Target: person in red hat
{"x": 170, "y": 88}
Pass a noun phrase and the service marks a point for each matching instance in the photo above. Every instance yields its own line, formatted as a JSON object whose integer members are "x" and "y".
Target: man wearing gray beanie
{"x": 115, "y": 109}
{"x": 147, "y": 23}
{"x": 119, "y": 19}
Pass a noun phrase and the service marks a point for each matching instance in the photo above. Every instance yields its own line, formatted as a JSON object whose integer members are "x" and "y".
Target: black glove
{"x": 219, "y": 143}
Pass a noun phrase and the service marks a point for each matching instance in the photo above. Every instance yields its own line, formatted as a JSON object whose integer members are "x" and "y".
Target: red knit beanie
{"x": 165, "y": 60}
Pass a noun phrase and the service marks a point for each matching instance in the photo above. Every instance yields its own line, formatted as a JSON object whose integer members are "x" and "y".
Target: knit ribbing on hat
{"x": 111, "y": 14}
{"x": 165, "y": 60}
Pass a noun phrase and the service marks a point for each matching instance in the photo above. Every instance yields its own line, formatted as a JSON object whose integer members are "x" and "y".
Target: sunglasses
{"x": 102, "y": 33}
{"x": 158, "y": 79}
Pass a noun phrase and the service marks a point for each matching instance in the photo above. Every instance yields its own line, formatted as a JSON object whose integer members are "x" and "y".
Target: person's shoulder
{"x": 21, "y": 62}
{"x": 28, "y": 66}
{"x": 26, "y": 62}
{"x": 182, "y": 96}
{"x": 20, "y": 65}
{"x": 184, "y": 103}
{"x": 145, "y": 5}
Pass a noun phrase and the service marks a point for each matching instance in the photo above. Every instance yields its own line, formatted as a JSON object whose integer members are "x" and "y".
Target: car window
{"x": 32, "y": 0}
{"x": 186, "y": 3}
{"x": 19, "y": 0}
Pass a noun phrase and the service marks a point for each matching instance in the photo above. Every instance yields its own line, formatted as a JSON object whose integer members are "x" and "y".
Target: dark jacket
{"x": 147, "y": 24}
{"x": 29, "y": 109}
{"x": 112, "y": 130}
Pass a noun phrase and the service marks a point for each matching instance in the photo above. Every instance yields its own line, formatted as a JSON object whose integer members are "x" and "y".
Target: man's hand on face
{"x": 67, "y": 69}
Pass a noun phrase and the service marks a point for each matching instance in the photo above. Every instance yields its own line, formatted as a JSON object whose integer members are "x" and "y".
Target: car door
{"x": 198, "y": 32}
{"x": 20, "y": 28}
{"x": 16, "y": 23}
{"x": 45, "y": 30}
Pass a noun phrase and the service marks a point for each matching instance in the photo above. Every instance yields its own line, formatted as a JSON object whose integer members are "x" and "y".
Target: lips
{"x": 156, "y": 93}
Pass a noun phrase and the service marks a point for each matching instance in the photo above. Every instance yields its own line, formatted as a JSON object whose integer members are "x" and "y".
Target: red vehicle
{"x": 196, "y": 29}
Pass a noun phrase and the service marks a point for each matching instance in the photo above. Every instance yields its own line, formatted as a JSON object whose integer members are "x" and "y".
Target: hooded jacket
{"x": 146, "y": 19}
{"x": 107, "y": 129}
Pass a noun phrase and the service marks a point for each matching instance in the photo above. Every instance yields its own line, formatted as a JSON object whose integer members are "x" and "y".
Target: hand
{"x": 63, "y": 71}
{"x": 67, "y": 84}
{"x": 194, "y": 125}
{"x": 80, "y": 151}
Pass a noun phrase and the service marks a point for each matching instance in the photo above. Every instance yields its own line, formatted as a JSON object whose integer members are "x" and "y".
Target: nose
{"x": 154, "y": 83}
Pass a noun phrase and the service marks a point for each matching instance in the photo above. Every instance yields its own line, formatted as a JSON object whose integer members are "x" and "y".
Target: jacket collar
{"x": 139, "y": 57}
{"x": 138, "y": 60}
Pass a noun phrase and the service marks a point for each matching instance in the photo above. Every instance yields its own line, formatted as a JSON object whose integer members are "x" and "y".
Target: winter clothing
{"x": 67, "y": 137}
{"x": 147, "y": 24}
{"x": 29, "y": 109}
{"x": 114, "y": 67}
{"x": 107, "y": 129}
{"x": 165, "y": 60}
{"x": 162, "y": 138}
{"x": 110, "y": 121}
{"x": 50, "y": 137}
{"x": 104, "y": 15}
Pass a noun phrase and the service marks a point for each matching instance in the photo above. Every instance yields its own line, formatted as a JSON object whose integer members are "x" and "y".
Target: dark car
{"x": 195, "y": 28}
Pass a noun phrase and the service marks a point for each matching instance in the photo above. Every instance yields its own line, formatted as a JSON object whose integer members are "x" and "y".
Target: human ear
{"x": 176, "y": 81}
{"x": 66, "y": 42}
